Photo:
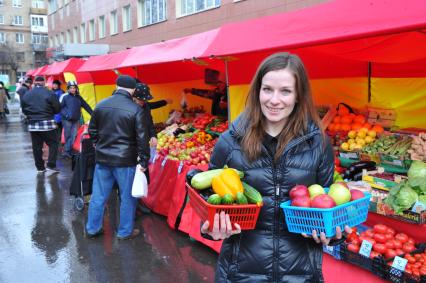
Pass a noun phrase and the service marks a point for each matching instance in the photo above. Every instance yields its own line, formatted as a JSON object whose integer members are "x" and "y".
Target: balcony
{"x": 37, "y": 47}
{"x": 38, "y": 11}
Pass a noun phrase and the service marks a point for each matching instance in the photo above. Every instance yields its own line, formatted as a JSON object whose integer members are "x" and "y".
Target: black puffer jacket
{"x": 40, "y": 104}
{"x": 120, "y": 132}
{"x": 270, "y": 253}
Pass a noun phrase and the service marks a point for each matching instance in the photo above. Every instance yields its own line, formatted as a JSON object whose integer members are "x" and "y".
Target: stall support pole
{"x": 369, "y": 82}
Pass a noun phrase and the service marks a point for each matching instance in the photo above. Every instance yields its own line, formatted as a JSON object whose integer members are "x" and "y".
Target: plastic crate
{"x": 244, "y": 215}
{"x": 306, "y": 219}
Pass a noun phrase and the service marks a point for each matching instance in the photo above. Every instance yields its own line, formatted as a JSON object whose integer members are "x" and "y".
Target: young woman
{"x": 278, "y": 142}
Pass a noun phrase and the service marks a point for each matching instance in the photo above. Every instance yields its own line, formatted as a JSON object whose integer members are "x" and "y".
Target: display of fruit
{"x": 393, "y": 145}
{"x": 418, "y": 148}
{"x": 358, "y": 139}
{"x": 202, "y": 121}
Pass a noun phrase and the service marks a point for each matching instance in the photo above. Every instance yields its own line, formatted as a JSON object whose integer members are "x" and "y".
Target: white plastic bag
{"x": 140, "y": 184}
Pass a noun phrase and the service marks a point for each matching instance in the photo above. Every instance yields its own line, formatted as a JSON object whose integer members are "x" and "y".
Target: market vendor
{"x": 278, "y": 139}
{"x": 219, "y": 97}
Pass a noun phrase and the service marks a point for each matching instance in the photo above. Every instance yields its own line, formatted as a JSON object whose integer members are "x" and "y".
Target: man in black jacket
{"x": 120, "y": 134}
{"x": 40, "y": 105}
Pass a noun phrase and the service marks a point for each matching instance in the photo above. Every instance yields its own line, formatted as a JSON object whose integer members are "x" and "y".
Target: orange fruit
{"x": 356, "y": 126}
{"x": 346, "y": 127}
{"x": 331, "y": 127}
{"x": 337, "y": 127}
{"x": 378, "y": 129}
{"x": 367, "y": 125}
{"x": 343, "y": 110}
{"x": 336, "y": 119}
{"x": 359, "y": 119}
{"x": 346, "y": 119}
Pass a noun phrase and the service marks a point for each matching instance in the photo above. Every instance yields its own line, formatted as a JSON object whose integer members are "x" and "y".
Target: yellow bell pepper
{"x": 228, "y": 182}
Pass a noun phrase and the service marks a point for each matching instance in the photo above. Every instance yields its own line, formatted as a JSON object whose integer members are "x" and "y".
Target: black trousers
{"x": 51, "y": 139}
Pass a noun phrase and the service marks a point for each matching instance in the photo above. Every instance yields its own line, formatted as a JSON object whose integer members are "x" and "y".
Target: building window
{"x": 17, "y": 20}
{"x": 113, "y": 23}
{"x": 20, "y": 74}
{"x": 151, "y": 11}
{"x": 2, "y": 37}
{"x": 102, "y": 26}
{"x": 91, "y": 30}
{"x": 52, "y": 6}
{"x": 57, "y": 40}
{"x": 38, "y": 4}
{"x": 83, "y": 33}
{"x": 188, "y": 7}
{"x": 68, "y": 38}
{"x": 75, "y": 35}
{"x": 62, "y": 38}
{"x": 37, "y": 21}
{"x": 19, "y": 37}
{"x": 20, "y": 56}
{"x": 17, "y": 3}
{"x": 38, "y": 38}
{"x": 127, "y": 18}
{"x": 1, "y": 20}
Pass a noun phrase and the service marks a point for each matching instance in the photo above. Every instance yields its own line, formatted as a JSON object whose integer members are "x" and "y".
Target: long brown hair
{"x": 297, "y": 123}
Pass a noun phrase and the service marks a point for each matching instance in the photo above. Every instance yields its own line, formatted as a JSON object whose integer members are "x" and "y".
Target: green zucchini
{"x": 252, "y": 195}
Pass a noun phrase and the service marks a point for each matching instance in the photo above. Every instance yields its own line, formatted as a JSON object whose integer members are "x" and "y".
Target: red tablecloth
{"x": 167, "y": 194}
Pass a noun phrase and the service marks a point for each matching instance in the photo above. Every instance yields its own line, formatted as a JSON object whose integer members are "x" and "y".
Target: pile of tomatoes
{"x": 416, "y": 264}
{"x": 386, "y": 242}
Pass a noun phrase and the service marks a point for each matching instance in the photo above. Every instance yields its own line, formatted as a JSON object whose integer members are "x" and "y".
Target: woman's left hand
{"x": 323, "y": 239}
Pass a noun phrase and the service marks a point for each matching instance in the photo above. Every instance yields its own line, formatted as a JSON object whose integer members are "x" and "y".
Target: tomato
{"x": 399, "y": 252}
{"x": 390, "y": 254}
{"x": 380, "y": 238}
{"x": 401, "y": 237}
{"x": 353, "y": 248}
{"x": 380, "y": 248}
{"x": 390, "y": 245}
{"x": 380, "y": 228}
{"x": 388, "y": 237}
{"x": 369, "y": 233}
{"x": 410, "y": 258}
{"x": 416, "y": 272}
{"x": 374, "y": 254}
{"x": 417, "y": 264}
{"x": 390, "y": 231}
{"x": 372, "y": 241}
{"x": 408, "y": 247}
{"x": 397, "y": 244}
{"x": 356, "y": 242}
{"x": 411, "y": 241}
{"x": 417, "y": 256}
{"x": 423, "y": 270}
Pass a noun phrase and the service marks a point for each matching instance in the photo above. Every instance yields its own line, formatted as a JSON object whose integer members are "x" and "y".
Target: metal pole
{"x": 369, "y": 82}
{"x": 227, "y": 90}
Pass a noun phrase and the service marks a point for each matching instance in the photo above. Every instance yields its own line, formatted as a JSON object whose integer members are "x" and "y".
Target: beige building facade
{"x": 23, "y": 37}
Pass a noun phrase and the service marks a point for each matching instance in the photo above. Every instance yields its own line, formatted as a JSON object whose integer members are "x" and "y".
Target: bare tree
{"x": 9, "y": 59}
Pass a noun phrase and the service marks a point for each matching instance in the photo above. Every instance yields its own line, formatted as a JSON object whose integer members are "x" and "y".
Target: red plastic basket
{"x": 244, "y": 215}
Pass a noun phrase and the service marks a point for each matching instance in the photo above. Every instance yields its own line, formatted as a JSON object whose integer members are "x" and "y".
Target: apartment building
{"x": 23, "y": 37}
{"x": 121, "y": 24}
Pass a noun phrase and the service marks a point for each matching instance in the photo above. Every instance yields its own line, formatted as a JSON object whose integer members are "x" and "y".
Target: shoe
{"x": 53, "y": 170}
{"x": 134, "y": 234}
{"x": 41, "y": 171}
{"x": 97, "y": 234}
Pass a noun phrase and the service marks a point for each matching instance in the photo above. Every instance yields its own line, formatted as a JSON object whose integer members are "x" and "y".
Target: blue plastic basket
{"x": 306, "y": 219}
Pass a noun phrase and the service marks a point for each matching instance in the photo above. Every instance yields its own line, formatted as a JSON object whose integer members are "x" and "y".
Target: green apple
{"x": 340, "y": 193}
{"x": 315, "y": 190}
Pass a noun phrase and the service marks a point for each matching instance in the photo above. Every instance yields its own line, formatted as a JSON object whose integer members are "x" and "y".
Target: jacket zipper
{"x": 275, "y": 233}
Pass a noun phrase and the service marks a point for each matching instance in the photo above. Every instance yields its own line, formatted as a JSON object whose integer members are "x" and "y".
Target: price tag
{"x": 180, "y": 167}
{"x": 365, "y": 249}
{"x": 399, "y": 263}
{"x": 164, "y": 162}
{"x": 418, "y": 207}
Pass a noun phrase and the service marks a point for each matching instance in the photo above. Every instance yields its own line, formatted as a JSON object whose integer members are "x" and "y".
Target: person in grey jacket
{"x": 277, "y": 142}
{"x": 70, "y": 113}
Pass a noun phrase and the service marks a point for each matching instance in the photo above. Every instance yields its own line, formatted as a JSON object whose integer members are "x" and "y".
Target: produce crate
{"x": 383, "y": 117}
{"x": 353, "y": 155}
{"x": 244, "y": 215}
{"x": 376, "y": 265}
{"x": 334, "y": 251}
{"x": 380, "y": 183}
{"x": 395, "y": 161}
{"x": 406, "y": 216}
{"x": 306, "y": 219}
{"x": 369, "y": 157}
{"x": 326, "y": 118}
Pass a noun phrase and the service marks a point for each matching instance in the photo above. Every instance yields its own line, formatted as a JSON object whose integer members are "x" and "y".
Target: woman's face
{"x": 277, "y": 96}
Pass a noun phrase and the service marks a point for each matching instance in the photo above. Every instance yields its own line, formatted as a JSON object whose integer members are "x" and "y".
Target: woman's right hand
{"x": 222, "y": 227}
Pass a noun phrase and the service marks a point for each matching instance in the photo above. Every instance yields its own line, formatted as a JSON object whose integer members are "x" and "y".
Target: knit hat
{"x": 58, "y": 82}
{"x": 39, "y": 79}
{"x": 126, "y": 82}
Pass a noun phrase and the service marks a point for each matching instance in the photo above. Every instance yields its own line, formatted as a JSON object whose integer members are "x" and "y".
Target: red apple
{"x": 299, "y": 191}
{"x": 323, "y": 201}
{"x": 302, "y": 201}
{"x": 193, "y": 154}
{"x": 356, "y": 194}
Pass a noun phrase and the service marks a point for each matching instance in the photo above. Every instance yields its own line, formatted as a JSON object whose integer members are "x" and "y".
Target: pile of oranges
{"x": 351, "y": 121}
{"x": 358, "y": 139}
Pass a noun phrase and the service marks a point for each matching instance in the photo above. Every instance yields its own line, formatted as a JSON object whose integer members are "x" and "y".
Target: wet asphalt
{"x": 42, "y": 234}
